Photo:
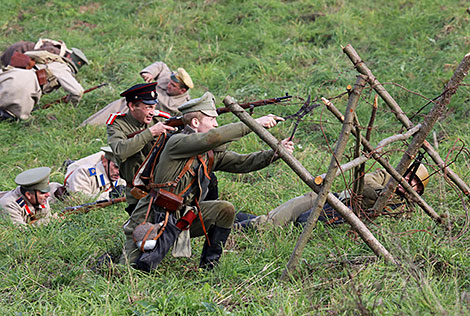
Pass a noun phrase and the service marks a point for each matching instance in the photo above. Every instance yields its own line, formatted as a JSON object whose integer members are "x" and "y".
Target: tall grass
{"x": 250, "y": 50}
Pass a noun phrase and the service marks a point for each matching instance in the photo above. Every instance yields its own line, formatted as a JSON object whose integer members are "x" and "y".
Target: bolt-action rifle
{"x": 177, "y": 121}
{"x": 85, "y": 208}
{"x": 66, "y": 98}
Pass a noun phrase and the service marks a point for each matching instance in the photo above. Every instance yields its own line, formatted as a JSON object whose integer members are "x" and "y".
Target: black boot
{"x": 211, "y": 254}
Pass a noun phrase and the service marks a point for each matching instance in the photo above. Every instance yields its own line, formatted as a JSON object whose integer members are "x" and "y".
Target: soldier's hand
{"x": 160, "y": 128}
{"x": 269, "y": 121}
{"x": 288, "y": 145}
{"x": 147, "y": 77}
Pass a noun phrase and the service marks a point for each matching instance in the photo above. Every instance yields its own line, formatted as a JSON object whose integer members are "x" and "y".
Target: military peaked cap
{"x": 78, "y": 58}
{"x": 181, "y": 76}
{"x": 204, "y": 104}
{"x": 144, "y": 92}
{"x": 35, "y": 179}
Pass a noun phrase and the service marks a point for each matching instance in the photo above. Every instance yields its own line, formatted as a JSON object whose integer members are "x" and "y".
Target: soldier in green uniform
{"x": 180, "y": 184}
{"x": 298, "y": 209}
{"x": 28, "y": 203}
{"x": 131, "y": 135}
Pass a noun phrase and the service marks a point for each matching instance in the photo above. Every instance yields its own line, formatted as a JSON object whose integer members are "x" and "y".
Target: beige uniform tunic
{"x": 162, "y": 74}
{"x": 17, "y": 207}
{"x": 166, "y": 103}
{"x": 92, "y": 181}
{"x": 19, "y": 92}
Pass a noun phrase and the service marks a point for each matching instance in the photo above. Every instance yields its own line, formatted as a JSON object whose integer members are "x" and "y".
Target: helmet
{"x": 422, "y": 176}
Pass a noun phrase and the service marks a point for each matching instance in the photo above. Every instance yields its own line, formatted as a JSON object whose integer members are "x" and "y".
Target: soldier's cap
{"x": 109, "y": 154}
{"x": 204, "y": 104}
{"x": 35, "y": 179}
{"x": 78, "y": 58}
{"x": 181, "y": 76}
{"x": 144, "y": 92}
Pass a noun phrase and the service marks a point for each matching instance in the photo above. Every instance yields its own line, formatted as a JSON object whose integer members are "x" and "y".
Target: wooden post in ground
{"x": 428, "y": 123}
{"x": 401, "y": 116}
{"x": 388, "y": 167}
{"x": 335, "y": 161}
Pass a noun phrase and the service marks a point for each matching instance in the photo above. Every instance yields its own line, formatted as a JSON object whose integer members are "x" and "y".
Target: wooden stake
{"x": 401, "y": 116}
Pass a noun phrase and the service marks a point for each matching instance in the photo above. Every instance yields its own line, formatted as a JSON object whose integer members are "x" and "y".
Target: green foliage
{"x": 250, "y": 50}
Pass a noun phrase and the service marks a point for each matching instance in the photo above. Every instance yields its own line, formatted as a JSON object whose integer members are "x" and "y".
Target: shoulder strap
{"x": 112, "y": 117}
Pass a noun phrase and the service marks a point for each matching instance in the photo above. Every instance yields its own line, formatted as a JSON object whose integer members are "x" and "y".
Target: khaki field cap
{"x": 108, "y": 154}
{"x": 204, "y": 104}
{"x": 182, "y": 76}
{"x": 422, "y": 175}
{"x": 35, "y": 179}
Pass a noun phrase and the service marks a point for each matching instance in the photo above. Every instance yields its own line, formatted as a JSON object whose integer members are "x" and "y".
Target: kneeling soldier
{"x": 28, "y": 203}
{"x": 165, "y": 217}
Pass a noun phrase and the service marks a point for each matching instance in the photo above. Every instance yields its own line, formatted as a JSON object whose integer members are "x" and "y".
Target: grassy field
{"x": 250, "y": 50}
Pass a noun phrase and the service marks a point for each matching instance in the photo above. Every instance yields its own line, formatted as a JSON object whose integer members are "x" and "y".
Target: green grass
{"x": 250, "y": 50}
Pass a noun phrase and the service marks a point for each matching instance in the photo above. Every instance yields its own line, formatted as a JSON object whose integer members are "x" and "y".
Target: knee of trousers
{"x": 226, "y": 215}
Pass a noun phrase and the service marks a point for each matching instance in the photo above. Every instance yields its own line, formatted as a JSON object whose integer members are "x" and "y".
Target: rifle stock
{"x": 85, "y": 208}
{"x": 66, "y": 97}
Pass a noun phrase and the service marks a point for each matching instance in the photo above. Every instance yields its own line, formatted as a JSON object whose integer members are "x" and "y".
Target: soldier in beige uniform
{"x": 28, "y": 203}
{"x": 97, "y": 179}
{"x": 172, "y": 89}
{"x": 21, "y": 89}
{"x": 131, "y": 136}
{"x": 183, "y": 170}
{"x": 298, "y": 209}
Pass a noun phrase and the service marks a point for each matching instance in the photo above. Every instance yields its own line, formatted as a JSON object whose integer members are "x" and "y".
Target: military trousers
{"x": 288, "y": 211}
{"x": 218, "y": 213}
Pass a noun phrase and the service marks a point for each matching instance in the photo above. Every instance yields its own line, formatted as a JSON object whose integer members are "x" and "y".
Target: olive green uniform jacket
{"x": 179, "y": 149}
{"x": 129, "y": 152}
{"x": 166, "y": 103}
{"x": 16, "y": 206}
{"x": 289, "y": 211}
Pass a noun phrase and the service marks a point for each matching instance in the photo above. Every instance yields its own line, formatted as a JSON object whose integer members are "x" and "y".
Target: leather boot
{"x": 211, "y": 254}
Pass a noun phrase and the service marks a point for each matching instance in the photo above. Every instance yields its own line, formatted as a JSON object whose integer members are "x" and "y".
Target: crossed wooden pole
{"x": 322, "y": 188}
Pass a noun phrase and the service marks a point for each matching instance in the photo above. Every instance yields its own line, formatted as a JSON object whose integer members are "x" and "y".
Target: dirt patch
{"x": 77, "y": 24}
{"x": 92, "y": 8}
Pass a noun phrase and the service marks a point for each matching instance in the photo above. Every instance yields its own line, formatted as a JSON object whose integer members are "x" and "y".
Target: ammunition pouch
{"x": 138, "y": 193}
{"x": 41, "y": 74}
{"x": 167, "y": 200}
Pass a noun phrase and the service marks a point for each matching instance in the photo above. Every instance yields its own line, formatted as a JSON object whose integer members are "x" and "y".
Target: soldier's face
{"x": 174, "y": 89}
{"x": 112, "y": 171}
{"x": 206, "y": 123}
{"x": 142, "y": 112}
{"x": 415, "y": 184}
{"x": 38, "y": 198}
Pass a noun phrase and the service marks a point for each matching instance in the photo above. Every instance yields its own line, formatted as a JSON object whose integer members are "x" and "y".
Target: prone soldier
{"x": 96, "y": 176}
{"x": 21, "y": 89}
{"x": 298, "y": 209}
{"x": 28, "y": 203}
